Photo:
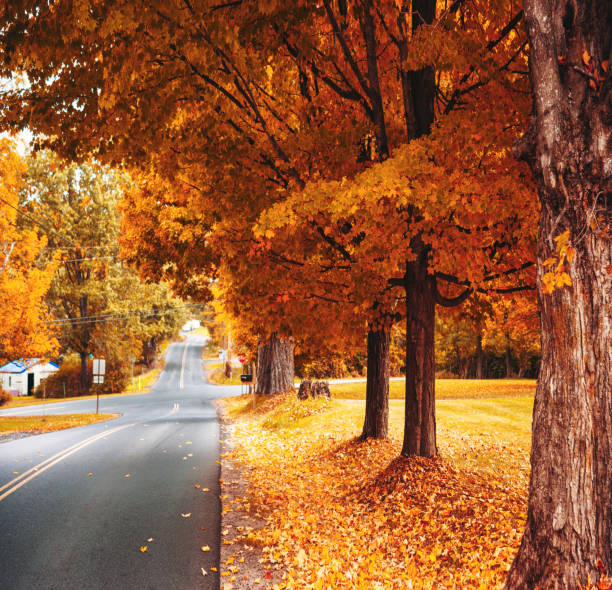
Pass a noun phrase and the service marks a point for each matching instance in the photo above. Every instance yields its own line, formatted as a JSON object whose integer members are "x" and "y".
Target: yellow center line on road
{"x": 19, "y": 481}
{"x": 174, "y": 410}
{"x": 181, "y": 381}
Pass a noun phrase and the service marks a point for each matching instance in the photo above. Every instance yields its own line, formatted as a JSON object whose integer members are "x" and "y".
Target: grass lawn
{"x": 201, "y": 331}
{"x": 348, "y": 514}
{"x": 216, "y": 374}
{"x": 146, "y": 381}
{"x": 446, "y": 388}
{"x": 10, "y": 424}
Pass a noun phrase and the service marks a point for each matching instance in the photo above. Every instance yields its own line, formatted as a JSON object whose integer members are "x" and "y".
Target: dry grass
{"x": 11, "y": 424}
{"x": 447, "y": 389}
{"x": 216, "y": 374}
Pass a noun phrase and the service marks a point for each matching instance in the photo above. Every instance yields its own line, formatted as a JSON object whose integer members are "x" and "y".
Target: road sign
{"x": 98, "y": 378}
{"x": 99, "y": 367}
{"x": 246, "y": 378}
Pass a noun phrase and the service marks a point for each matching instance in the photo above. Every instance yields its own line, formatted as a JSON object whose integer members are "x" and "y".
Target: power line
{"x": 92, "y": 258}
{"x": 47, "y": 229}
{"x": 121, "y": 316}
{"x": 64, "y": 249}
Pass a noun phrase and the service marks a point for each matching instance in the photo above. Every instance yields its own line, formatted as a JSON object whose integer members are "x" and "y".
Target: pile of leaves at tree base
{"x": 347, "y": 514}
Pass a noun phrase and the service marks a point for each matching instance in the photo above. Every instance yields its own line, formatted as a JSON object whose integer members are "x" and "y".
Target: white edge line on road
{"x": 181, "y": 381}
{"x": 51, "y": 461}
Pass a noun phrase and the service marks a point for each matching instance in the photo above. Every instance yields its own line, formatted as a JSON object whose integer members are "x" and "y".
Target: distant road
{"x": 76, "y": 506}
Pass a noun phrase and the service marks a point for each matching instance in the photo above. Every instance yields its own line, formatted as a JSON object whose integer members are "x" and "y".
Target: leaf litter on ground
{"x": 342, "y": 513}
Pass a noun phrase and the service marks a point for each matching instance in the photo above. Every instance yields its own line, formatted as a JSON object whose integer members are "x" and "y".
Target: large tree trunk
{"x": 479, "y": 357}
{"x": 84, "y": 373}
{"x": 569, "y": 516}
{"x": 376, "y": 423}
{"x": 419, "y": 419}
{"x": 508, "y": 358}
{"x": 274, "y": 366}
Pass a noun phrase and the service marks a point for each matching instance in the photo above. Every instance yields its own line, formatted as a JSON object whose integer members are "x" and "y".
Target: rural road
{"x": 76, "y": 506}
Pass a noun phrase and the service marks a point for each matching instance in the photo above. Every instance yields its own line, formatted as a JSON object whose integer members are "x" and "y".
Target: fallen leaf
{"x": 187, "y": 515}
{"x": 213, "y": 569}
{"x": 143, "y": 548}
{"x": 90, "y": 474}
{"x": 586, "y": 58}
{"x": 204, "y": 572}
{"x": 150, "y": 540}
{"x": 188, "y": 442}
{"x": 206, "y": 548}
{"x": 205, "y": 490}
{"x": 190, "y": 454}
{"x": 127, "y": 475}
{"x": 197, "y": 486}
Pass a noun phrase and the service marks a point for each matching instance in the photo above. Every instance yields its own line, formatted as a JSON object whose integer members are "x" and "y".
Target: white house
{"x": 23, "y": 376}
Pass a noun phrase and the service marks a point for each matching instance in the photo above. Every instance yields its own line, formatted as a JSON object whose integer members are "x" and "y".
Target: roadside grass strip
{"x": 146, "y": 381}
{"x": 216, "y": 374}
{"x": 345, "y": 514}
{"x": 50, "y": 423}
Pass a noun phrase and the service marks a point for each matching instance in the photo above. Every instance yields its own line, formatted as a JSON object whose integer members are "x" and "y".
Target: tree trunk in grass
{"x": 274, "y": 366}
{"x": 376, "y": 423}
{"x": 479, "y": 357}
{"x": 569, "y": 516}
{"x": 84, "y": 373}
{"x": 508, "y": 358}
{"x": 419, "y": 419}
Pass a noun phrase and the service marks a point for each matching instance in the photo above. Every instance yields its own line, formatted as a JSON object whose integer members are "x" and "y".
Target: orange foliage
{"x": 24, "y": 279}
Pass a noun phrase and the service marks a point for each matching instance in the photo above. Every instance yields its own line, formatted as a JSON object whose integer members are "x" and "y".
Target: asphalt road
{"x": 76, "y": 506}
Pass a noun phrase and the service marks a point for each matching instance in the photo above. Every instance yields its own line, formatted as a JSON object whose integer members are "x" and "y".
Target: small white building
{"x": 23, "y": 376}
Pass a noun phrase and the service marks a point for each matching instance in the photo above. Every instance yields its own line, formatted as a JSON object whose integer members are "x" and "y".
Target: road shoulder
{"x": 238, "y": 557}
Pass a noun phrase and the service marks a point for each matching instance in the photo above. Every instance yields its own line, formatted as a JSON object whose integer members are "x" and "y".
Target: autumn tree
{"x": 296, "y": 96}
{"x": 512, "y": 330}
{"x": 569, "y": 518}
{"x": 77, "y": 203}
{"x": 424, "y": 203}
{"x": 98, "y": 305}
{"x": 25, "y": 275}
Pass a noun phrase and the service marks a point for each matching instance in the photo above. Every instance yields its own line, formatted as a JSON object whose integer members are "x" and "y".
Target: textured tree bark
{"x": 479, "y": 357}
{"x": 274, "y": 366}
{"x": 376, "y": 423}
{"x": 419, "y": 419}
{"x": 84, "y": 374}
{"x": 569, "y": 517}
{"x": 508, "y": 359}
